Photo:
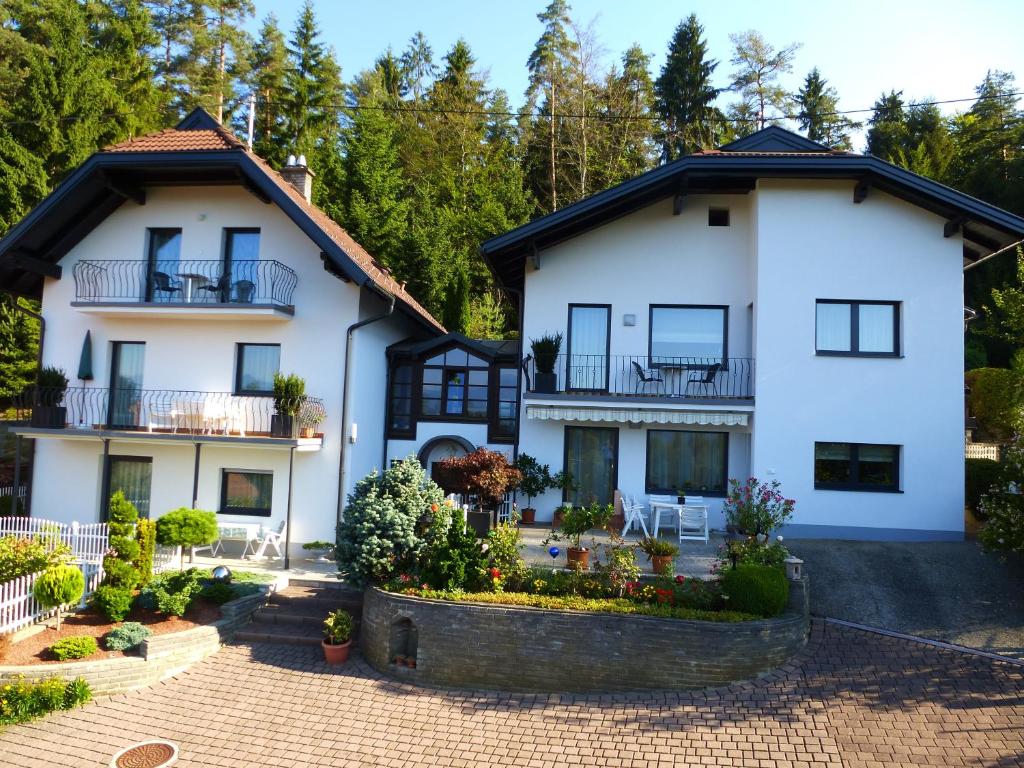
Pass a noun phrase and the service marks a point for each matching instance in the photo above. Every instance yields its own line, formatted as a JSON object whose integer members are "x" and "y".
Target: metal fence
{"x": 643, "y": 376}
{"x": 191, "y": 281}
{"x": 166, "y": 410}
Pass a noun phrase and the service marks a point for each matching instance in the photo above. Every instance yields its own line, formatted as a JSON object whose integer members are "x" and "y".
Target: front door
{"x": 592, "y": 458}
{"x": 132, "y": 476}
{"x": 126, "y": 363}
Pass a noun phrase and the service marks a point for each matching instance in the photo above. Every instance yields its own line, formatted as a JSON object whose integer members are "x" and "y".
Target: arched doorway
{"x": 442, "y": 447}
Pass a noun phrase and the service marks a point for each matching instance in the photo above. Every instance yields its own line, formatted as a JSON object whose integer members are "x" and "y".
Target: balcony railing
{"x": 185, "y": 281}
{"x": 170, "y": 411}
{"x": 701, "y": 378}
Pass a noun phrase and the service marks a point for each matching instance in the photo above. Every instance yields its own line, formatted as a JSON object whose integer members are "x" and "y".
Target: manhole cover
{"x": 148, "y": 754}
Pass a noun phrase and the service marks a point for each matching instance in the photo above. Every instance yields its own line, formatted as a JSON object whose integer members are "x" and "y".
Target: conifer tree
{"x": 756, "y": 78}
{"x": 887, "y": 133}
{"x": 818, "y": 113}
{"x": 684, "y": 95}
{"x": 268, "y": 65}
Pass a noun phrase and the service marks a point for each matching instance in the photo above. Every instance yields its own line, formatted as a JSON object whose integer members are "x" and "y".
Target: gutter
{"x": 345, "y": 396}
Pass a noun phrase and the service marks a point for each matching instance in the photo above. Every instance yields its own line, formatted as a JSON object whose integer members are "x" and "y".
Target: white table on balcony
{"x": 190, "y": 283}
{"x": 695, "y": 504}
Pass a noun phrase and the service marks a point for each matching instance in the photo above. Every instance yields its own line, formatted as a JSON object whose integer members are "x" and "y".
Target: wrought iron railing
{"x": 171, "y": 411}
{"x": 188, "y": 281}
{"x": 641, "y": 376}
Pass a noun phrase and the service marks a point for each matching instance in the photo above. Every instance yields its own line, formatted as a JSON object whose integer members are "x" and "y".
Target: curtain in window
{"x": 133, "y": 478}
{"x": 590, "y": 457}
{"x": 164, "y": 257}
{"x": 876, "y": 327}
{"x": 248, "y": 492}
{"x": 832, "y": 462}
{"x": 833, "y": 327}
{"x": 258, "y": 364}
{"x": 689, "y": 461}
{"x": 126, "y": 384}
{"x": 588, "y": 348}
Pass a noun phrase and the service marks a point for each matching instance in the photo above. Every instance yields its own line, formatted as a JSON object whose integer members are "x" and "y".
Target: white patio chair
{"x": 272, "y": 539}
{"x": 693, "y": 522}
{"x": 164, "y": 417}
{"x": 656, "y": 511}
{"x": 633, "y": 511}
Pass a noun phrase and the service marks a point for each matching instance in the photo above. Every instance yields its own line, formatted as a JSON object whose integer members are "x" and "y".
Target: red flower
{"x": 679, "y": 579}
{"x": 495, "y": 573}
{"x": 433, "y": 507}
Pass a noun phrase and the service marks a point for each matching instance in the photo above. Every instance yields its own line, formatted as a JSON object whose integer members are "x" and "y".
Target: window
{"x": 246, "y": 492}
{"x": 864, "y": 328}
{"x": 163, "y": 263}
{"x": 132, "y": 475}
{"x": 718, "y": 217}
{"x": 454, "y": 387}
{"x": 587, "y": 359}
{"x": 503, "y": 425}
{"x": 688, "y": 461}
{"x": 241, "y": 274}
{"x": 697, "y": 333}
{"x": 591, "y": 457}
{"x": 400, "y": 400}
{"x": 255, "y": 368}
{"x": 856, "y": 467}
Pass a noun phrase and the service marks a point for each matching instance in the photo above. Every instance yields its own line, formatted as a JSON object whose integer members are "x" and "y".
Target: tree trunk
{"x": 554, "y": 188}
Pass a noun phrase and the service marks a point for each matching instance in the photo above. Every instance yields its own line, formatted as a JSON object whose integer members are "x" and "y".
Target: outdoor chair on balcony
{"x": 220, "y": 289}
{"x": 645, "y": 376}
{"x": 693, "y": 521}
{"x": 705, "y": 382}
{"x": 244, "y": 290}
{"x": 163, "y": 283}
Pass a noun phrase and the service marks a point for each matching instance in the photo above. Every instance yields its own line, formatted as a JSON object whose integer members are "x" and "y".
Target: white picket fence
{"x": 8, "y": 490}
{"x": 18, "y": 607}
{"x": 166, "y": 558}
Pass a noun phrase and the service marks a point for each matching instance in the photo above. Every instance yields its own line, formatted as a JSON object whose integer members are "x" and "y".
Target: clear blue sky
{"x": 930, "y": 50}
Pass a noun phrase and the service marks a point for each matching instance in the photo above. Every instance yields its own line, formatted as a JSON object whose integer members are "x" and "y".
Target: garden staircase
{"x": 295, "y": 615}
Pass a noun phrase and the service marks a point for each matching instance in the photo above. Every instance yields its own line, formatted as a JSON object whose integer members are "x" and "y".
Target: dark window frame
{"x": 108, "y": 470}
{"x": 854, "y": 485}
{"x": 854, "y": 350}
{"x": 650, "y": 331}
{"x": 565, "y": 455}
{"x": 227, "y": 256}
{"x": 247, "y": 511}
{"x": 649, "y": 488}
{"x": 238, "y": 391}
{"x": 414, "y": 385}
{"x": 494, "y": 401}
{"x": 718, "y": 217}
{"x": 452, "y": 417}
{"x": 607, "y": 348}
{"x": 151, "y": 257}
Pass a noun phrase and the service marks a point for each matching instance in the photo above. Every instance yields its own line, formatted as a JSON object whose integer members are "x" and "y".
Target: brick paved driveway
{"x": 852, "y": 699}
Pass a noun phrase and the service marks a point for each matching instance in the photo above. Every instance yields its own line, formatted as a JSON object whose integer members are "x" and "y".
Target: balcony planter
{"x": 545, "y": 383}
{"x": 283, "y": 426}
{"x": 49, "y": 416}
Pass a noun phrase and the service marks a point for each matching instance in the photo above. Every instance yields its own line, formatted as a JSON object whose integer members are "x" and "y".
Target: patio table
{"x": 658, "y": 506}
{"x": 190, "y": 281}
{"x": 246, "y": 532}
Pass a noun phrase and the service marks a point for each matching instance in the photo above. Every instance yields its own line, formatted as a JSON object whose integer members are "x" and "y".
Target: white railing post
{"x": 74, "y": 539}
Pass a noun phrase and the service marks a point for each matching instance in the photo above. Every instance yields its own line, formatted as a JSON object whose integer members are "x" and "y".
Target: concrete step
{"x": 322, "y": 601}
{"x": 294, "y": 614}
{"x": 321, "y": 583}
{"x": 279, "y": 633}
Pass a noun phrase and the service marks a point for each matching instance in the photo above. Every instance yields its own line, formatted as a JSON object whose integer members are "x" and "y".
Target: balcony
{"x": 203, "y": 288}
{"x": 704, "y": 380}
{"x": 222, "y": 417}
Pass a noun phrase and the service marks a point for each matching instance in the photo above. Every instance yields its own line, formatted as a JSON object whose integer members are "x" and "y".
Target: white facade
{"x": 787, "y": 245}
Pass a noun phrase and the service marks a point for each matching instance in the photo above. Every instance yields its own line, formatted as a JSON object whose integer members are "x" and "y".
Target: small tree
{"x": 184, "y": 527}
{"x": 119, "y": 564}
{"x": 488, "y": 475}
{"x": 535, "y": 478}
{"x": 756, "y": 508}
{"x": 145, "y": 535}
{"x": 59, "y": 586}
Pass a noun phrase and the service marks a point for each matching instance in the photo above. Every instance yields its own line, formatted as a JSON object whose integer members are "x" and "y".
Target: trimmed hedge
{"x": 74, "y": 647}
{"x": 980, "y": 475}
{"x": 758, "y": 589}
{"x": 113, "y": 602}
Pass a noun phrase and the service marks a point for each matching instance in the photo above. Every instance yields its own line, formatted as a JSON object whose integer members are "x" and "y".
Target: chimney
{"x": 298, "y": 175}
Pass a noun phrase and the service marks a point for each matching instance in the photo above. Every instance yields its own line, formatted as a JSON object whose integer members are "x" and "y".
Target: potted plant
{"x": 662, "y": 553}
{"x": 576, "y": 522}
{"x": 487, "y": 475}
{"x": 47, "y": 410}
{"x": 536, "y": 478}
{"x": 320, "y": 550}
{"x": 310, "y": 417}
{"x": 545, "y": 353}
{"x": 680, "y": 496}
{"x": 565, "y": 482}
{"x": 337, "y": 636}
{"x": 289, "y": 392}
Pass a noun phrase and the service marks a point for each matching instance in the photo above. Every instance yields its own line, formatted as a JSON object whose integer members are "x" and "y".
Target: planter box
{"x": 49, "y": 416}
{"x": 480, "y": 522}
{"x": 283, "y": 426}
{"x": 545, "y": 383}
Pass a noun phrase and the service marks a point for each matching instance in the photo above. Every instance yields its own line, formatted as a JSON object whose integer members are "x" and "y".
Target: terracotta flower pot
{"x": 529, "y": 514}
{"x": 579, "y": 558}
{"x": 556, "y": 520}
{"x": 661, "y": 562}
{"x": 336, "y": 654}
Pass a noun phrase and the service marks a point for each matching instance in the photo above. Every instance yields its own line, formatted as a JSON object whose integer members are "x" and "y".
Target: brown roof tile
{"x": 174, "y": 140}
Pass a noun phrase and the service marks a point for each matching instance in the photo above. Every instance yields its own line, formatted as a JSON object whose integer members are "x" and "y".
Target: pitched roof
{"x": 197, "y": 145}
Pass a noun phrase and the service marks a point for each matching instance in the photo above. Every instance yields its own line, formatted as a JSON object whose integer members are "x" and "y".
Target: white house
{"x": 197, "y": 272}
{"x": 772, "y": 309}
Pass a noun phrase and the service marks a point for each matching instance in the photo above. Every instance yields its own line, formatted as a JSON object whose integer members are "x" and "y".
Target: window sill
{"x": 245, "y": 512}
{"x": 827, "y": 353}
{"x": 856, "y": 489}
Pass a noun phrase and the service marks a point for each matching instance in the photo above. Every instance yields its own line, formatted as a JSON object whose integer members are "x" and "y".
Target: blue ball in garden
{"x": 222, "y": 574}
{"x": 554, "y": 552}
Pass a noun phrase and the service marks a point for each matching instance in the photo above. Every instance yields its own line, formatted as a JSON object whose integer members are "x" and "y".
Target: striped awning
{"x": 636, "y": 416}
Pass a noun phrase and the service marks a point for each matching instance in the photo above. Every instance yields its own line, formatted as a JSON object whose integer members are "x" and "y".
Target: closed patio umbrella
{"x": 85, "y": 361}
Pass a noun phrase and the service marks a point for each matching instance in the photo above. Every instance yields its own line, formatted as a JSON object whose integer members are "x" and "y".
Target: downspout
{"x": 520, "y": 299}
{"x": 345, "y": 396}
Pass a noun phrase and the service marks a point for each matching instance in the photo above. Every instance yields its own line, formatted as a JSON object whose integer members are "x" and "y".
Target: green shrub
{"x": 113, "y": 602}
{"x": 756, "y": 507}
{"x": 145, "y": 536}
{"x": 22, "y": 701}
{"x": 504, "y": 543}
{"x": 750, "y": 552}
{"x": 980, "y": 476}
{"x": 378, "y": 536}
{"x": 218, "y": 592}
{"x": 1002, "y": 506}
{"x": 184, "y": 527}
{"x": 74, "y": 647}
{"x": 58, "y": 586}
{"x": 455, "y": 560}
{"x": 172, "y": 593}
{"x": 20, "y": 556}
{"x": 338, "y": 626}
{"x": 995, "y": 395}
{"x": 119, "y": 568}
{"x": 758, "y": 589}
{"x": 127, "y": 636}
{"x": 653, "y": 547}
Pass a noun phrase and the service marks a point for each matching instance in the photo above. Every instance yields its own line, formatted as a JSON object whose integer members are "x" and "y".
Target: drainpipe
{"x": 520, "y": 300}
{"x": 345, "y": 396}
{"x": 39, "y": 366}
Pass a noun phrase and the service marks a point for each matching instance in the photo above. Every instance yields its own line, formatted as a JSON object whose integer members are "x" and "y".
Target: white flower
{"x": 778, "y": 539}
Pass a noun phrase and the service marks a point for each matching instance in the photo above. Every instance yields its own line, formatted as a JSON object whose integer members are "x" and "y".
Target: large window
{"x": 256, "y": 365}
{"x": 163, "y": 265}
{"x": 503, "y": 425}
{"x": 400, "y": 401}
{"x": 132, "y": 476}
{"x": 592, "y": 458}
{"x": 454, "y": 387}
{"x": 241, "y": 275}
{"x": 687, "y": 461}
{"x": 865, "y": 328}
{"x": 693, "y": 333}
{"x": 246, "y": 492}
{"x": 587, "y": 359}
{"x": 856, "y": 467}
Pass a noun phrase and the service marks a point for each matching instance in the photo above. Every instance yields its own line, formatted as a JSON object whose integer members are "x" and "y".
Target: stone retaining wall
{"x": 475, "y": 645}
{"x": 160, "y": 656}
